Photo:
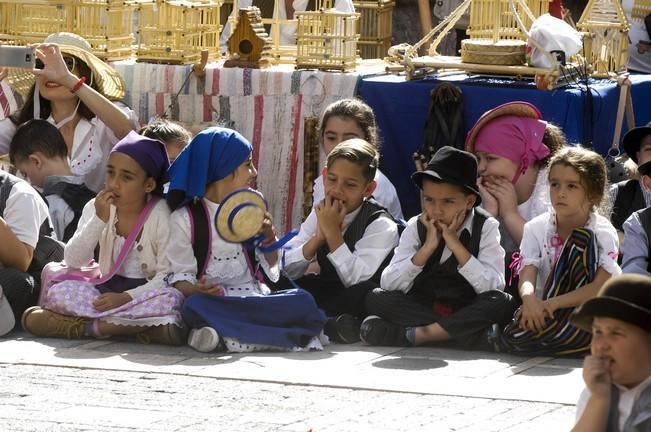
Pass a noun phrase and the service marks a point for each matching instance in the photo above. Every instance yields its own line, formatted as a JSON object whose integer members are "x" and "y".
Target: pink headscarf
{"x": 519, "y": 139}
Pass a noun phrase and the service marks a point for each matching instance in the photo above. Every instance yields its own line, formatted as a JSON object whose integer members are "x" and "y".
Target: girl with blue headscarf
{"x": 129, "y": 222}
{"x": 228, "y": 305}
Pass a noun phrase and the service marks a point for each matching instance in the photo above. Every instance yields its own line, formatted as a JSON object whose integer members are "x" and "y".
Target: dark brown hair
{"x": 359, "y": 152}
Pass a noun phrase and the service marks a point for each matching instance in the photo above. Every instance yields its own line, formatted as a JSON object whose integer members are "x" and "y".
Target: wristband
{"x": 78, "y": 85}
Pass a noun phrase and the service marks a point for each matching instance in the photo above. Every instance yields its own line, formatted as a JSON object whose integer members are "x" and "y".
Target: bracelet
{"x": 77, "y": 86}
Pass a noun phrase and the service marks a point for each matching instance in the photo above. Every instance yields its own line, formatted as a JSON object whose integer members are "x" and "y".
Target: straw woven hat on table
{"x": 106, "y": 79}
{"x": 518, "y": 109}
{"x": 240, "y": 215}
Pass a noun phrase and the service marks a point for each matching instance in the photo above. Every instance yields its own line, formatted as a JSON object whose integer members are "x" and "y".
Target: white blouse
{"x": 92, "y": 143}
{"x": 541, "y": 245}
{"x": 227, "y": 262}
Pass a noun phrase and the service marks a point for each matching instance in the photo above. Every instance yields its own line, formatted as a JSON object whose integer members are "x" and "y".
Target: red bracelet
{"x": 77, "y": 86}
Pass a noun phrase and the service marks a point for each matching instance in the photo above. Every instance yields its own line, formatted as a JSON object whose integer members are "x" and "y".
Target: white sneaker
{"x": 204, "y": 339}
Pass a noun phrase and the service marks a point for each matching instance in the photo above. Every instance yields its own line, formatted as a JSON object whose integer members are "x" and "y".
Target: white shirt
{"x": 91, "y": 145}
{"x": 147, "y": 252}
{"x": 541, "y": 246}
{"x": 385, "y": 194}
{"x": 25, "y": 212}
{"x": 538, "y": 203}
{"x": 287, "y": 31}
{"x": 484, "y": 272}
{"x": 353, "y": 267}
{"x": 627, "y": 398}
{"x": 227, "y": 262}
{"x": 636, "y": 33}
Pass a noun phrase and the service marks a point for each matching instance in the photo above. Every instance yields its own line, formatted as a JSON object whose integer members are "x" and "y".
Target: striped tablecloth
{"x": 266, "y": 105}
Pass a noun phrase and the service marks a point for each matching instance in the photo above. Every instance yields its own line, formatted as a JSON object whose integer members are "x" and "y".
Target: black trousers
{"x": 466, "y": 326}
{"x": 20, "y": 289}
{"x": 331, "y": 296}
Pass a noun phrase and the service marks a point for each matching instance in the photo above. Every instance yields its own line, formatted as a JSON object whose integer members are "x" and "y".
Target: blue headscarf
{"x": 213, "y": 154}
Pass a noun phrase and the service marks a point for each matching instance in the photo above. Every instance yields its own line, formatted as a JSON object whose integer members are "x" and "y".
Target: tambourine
{"x": 240, "y": 215}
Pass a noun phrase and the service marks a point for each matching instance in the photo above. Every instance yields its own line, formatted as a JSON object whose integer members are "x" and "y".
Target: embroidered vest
{"x": 440, "y": 282}
{"x": 370, "y": 210}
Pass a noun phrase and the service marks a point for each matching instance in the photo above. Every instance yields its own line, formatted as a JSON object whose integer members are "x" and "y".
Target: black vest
{"x": 76, "y": 196}
{"x": 370, "y": 210}
{"x": 628, "y": 198}
{"x": 441, "y": 282}
{"x": 638, "y": 421}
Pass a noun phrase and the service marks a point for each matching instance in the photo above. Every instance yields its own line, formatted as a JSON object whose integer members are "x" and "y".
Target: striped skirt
{"x": 576, "y": 266}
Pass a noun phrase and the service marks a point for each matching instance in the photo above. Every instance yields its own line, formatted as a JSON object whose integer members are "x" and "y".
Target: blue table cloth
{"x": 401, "y": 109}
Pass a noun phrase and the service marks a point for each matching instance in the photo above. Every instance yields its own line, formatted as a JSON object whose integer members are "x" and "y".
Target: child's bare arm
{"x": 432, "y": 240}
{"x": 532, "y": 313}
{"x": 449, "y": 234}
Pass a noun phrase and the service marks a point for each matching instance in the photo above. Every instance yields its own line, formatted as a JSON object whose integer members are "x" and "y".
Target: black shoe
{"x": 379, "y": 332}
{"x": 493, "y": 338}
{"x": 343, "y": 329}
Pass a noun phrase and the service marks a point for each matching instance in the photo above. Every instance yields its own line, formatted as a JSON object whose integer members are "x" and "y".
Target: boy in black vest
{"x": 446, "y": 279}
{"x": 637, "y": 231}
{"x": 351, "y": 237}
{"x": 38, "y": 150}
{"x": 632, "y": 195}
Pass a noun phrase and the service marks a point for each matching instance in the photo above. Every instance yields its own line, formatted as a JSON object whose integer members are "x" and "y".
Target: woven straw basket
{"x": 485, "y": 51}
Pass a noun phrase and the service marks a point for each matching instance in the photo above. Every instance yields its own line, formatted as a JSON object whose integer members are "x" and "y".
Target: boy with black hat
{"x": 631, "y": 195}
{"x": 637, "y": 231}
{"x": 617, "y": 374}
{"x": 446, "y": 278}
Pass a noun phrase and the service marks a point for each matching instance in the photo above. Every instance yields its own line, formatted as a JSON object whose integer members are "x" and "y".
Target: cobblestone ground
{"x": 48, "y": 398}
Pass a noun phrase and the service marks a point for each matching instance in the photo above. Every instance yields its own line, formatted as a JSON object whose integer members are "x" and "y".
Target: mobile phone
{"x": 17, "y": 56}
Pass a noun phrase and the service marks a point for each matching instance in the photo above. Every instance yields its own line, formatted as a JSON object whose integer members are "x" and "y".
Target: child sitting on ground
{"x": 228, "y": 305}
{"x": 637, "y": 231}
{"x": 38, "y": 150}
{"x": 617, "y": 374}
{"x": 130, "y": 222}
{"x": 351, "y": 236}
{"x": 446, "y": 279}
{"x": 173, "y": 135}
{"x": 566, "y": 256}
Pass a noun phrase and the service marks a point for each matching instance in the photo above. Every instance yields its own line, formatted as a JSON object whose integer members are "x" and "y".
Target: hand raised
{"x": 103, "y": 202}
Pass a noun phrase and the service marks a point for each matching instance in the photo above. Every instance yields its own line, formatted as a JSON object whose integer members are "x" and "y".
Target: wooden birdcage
{"x": 249, "y": 45}
{"x": 375, "y": 27}
{"x": 25, "y": 22}
{"x": 605, "y": 36}
{"x": 108, "y": 26}
{"x": 327, "y": 40}
{"x": 177, "y": 31}
{"x": 494, "y": 19}
{"x": 641, "y": 9}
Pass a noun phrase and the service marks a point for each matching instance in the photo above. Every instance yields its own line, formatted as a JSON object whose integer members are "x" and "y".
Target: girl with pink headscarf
{"x": 513, "y": 144}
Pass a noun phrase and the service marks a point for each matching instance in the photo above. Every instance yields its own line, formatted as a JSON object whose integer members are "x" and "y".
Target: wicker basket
{"x": 177, "y": 31}
{"x": 485, "y": 51}
{"x": 375, "y": 27}
{"x": 327, "y": 40}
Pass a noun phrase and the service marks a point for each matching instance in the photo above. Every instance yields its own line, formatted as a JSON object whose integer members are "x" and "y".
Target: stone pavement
{"x": 90, "y": 385}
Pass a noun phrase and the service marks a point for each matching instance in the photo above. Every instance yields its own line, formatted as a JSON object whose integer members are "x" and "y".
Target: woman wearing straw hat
{"x": 77, "y": 92}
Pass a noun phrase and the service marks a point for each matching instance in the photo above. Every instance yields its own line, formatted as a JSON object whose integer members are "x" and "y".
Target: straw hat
{"x": 518, "y": 109}
{"x": 240, "y": 215}
{"x": 107, "y": 80}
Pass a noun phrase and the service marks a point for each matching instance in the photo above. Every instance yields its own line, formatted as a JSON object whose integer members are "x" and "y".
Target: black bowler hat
{"x": 626, "y": 298}
{"x": 633, "y": 139}
{"x": 451, "y": 165}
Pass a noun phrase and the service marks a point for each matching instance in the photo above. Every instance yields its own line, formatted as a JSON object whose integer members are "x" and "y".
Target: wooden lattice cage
{"x": 375, "y": 27}
{"x": 494, "y": 19}
{"x": 641, "y": 9}
{"x": 108, "y": 26}
{"x": 25, "y": 22}
{"x": 605, "y": 36}
{"x": 327, "y": 40}
{"x": 177, "y": 31}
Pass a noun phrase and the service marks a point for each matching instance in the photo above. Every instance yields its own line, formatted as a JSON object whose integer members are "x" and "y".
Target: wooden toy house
{"x": 249, "y": 45}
